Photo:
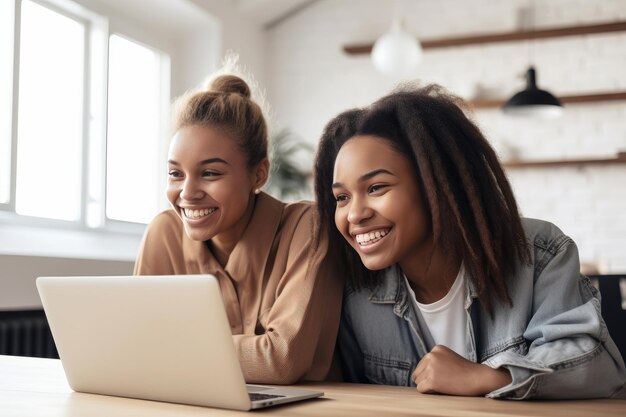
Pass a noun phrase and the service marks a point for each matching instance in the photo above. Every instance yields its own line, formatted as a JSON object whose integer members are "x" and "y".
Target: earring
{"x": 257, "y": 191}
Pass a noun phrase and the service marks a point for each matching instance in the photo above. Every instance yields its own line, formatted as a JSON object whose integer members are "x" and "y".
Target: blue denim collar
{"x": 389, "y": 289}
{"x": 392, "y": 290}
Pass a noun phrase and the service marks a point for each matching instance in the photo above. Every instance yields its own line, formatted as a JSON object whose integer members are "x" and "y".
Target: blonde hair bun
{"x": 230, "y": 84}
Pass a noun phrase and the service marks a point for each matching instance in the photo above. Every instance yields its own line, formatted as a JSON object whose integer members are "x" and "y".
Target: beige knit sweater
{"x": 281, "y": 289}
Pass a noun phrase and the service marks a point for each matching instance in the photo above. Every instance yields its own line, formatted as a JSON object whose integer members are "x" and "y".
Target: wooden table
{"x": 32, "y": 387}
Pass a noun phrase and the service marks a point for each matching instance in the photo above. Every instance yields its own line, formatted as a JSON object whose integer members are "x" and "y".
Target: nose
{"x": 191, "y": 190}
{"x": 359, "y": 210}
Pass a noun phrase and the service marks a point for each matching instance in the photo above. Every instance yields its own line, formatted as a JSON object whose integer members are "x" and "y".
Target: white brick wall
{"x": 311, "y": 80}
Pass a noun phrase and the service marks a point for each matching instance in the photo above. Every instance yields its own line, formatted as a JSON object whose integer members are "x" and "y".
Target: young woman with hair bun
{"x": 278, "y": 283}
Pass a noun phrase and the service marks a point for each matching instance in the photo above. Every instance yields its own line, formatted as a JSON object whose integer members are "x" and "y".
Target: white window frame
{"x": 108, "y": 239}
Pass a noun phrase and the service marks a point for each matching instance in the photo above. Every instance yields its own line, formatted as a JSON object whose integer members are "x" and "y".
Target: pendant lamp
{"x": 397, "y": 52}
{"x": 533, "y": 101}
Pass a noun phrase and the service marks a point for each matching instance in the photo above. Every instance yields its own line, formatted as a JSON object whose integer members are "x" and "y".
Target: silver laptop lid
{"x": 145, "y": 337}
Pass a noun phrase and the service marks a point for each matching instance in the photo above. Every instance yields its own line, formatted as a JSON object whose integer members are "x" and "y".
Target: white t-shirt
{"x": 446, "y": 319}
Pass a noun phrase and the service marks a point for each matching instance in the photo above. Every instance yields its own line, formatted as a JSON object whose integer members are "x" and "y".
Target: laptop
{"x": 163, "y": 338}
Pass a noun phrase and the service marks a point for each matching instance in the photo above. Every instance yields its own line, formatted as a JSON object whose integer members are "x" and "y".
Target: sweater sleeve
{"x": 302, "y": 323}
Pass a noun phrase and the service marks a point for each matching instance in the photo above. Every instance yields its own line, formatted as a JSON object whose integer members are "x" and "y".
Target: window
{"x": 133, "y": 130}
{"x": 81, "y": 132}
{"x": 6, "y": 100}
{"x": 50, "y": 114}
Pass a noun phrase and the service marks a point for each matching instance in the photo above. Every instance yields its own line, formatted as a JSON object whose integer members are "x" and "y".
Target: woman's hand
{"x": 445, "y": 372}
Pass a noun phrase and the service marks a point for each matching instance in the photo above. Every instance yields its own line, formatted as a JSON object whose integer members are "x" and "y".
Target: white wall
{"x": 311, "y": 80}
{"x": 22, "y": 293}
{"x": 238, "y": 34}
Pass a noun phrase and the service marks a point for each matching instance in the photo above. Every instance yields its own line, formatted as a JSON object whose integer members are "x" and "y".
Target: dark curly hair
{"x": 472, "y": 208}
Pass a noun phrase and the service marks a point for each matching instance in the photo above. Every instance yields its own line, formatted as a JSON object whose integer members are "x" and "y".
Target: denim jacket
{"x": 552, "y": 340}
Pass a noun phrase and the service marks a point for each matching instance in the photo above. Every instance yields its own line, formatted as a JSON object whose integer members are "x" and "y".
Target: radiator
{"x": 26, "y": 333}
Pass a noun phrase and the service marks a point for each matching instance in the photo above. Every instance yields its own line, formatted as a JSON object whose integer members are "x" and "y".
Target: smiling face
{"x": 210, "y": 185}
{"x": 380, "y": 209}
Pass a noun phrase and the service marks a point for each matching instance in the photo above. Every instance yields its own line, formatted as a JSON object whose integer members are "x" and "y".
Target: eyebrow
{"x": 203, "y": 162}
{"x": 366, "y": 176}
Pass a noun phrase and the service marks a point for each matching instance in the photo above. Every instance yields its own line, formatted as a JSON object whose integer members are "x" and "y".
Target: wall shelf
{"x": 574, "y": 99}
{"x": 619, "y": 159}
{"x": 608, "y": 27}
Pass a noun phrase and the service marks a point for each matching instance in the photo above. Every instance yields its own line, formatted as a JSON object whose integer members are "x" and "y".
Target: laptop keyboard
{"x": 256, "y": 396}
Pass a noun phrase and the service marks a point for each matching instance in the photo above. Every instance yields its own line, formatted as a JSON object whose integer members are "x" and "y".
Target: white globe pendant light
{"x": 397, "y": 52}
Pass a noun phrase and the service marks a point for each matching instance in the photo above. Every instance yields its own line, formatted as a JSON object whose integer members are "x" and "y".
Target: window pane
{"x": 50, "y": 114}
{"x": 133, "y": 132}
{"x": 6, "y": 98}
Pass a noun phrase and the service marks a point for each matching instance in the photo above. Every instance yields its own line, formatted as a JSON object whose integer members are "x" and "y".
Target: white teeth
{"x": 196, "y": 214}
{"x": 371, "y": 237}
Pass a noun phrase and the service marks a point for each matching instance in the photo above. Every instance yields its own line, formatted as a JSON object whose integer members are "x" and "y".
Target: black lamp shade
{"x": 533, "y": 101}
